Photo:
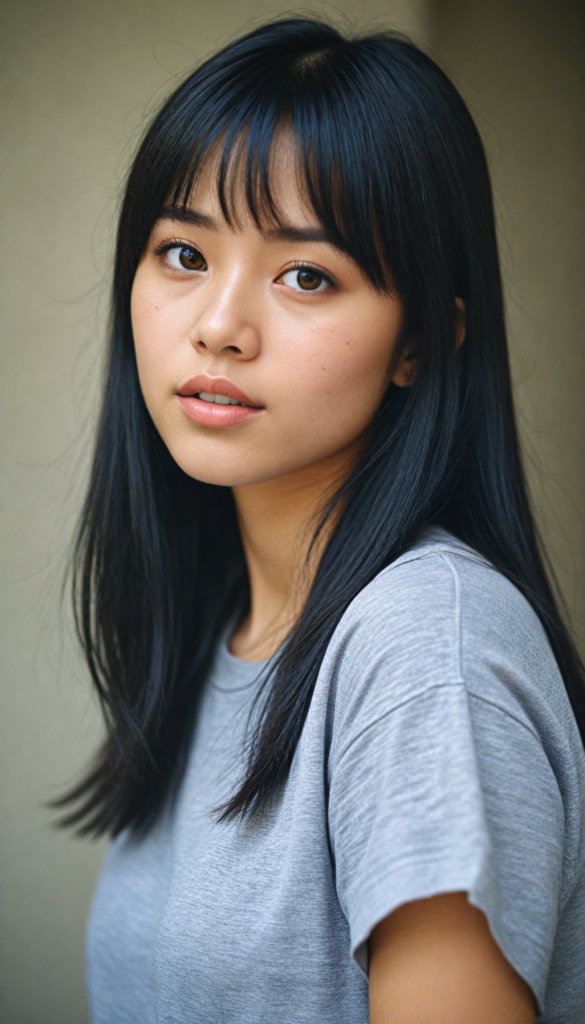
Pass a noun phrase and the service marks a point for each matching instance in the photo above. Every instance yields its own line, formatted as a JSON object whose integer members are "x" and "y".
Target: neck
{"x": 277, "y": 521}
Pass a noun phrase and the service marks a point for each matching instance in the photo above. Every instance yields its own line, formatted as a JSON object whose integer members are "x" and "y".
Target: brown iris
{"x": 309, "y": 280}
{"x": 191, "y": 259}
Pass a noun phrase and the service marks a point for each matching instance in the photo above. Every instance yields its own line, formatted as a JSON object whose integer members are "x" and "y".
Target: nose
{"x": 228, "y": 318}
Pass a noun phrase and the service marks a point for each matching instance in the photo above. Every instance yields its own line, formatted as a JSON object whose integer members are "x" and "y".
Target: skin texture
{"x": 318, "y": 363}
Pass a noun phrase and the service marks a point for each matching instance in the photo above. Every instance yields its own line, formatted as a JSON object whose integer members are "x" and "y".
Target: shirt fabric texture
{"x": 439, "y": 754}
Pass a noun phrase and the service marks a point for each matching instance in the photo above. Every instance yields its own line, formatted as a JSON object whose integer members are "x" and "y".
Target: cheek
{"x": 344, "y": 373}
{"x": 146, "y": 326}
{"x": 157, "y": 329}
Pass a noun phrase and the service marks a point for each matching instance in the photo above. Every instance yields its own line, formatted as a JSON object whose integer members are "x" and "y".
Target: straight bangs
{"x": 371, "y": 125}
{"x": 232, "y": 114}
{"x": 294, "y": 121}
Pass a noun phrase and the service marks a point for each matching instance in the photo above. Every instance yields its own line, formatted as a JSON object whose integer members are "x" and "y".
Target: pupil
{"x": 190, "y": 258}
{"x": 309, "y": 280}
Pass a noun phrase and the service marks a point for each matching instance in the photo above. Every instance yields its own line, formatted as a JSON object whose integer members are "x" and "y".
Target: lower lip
{"x": 209, "y": 414}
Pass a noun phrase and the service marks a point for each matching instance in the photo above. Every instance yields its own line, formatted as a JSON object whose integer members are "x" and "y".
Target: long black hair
{"x": 394, "y": 169}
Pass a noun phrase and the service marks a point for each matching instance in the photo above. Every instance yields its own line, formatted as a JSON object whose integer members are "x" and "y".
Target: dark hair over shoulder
{"x": 395, "y": 171}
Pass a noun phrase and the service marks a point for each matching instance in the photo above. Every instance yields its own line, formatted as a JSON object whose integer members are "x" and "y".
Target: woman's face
{"x": 281, "y": 321}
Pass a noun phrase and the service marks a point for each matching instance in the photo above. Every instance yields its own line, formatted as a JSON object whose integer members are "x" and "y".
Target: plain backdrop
{"x": 79, "y": 78}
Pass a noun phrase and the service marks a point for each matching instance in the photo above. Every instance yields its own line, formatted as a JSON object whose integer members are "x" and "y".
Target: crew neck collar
{"x": 232, "y": 673}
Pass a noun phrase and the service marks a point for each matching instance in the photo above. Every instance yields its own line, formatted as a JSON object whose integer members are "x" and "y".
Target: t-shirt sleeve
{"x": 444, "y": 791}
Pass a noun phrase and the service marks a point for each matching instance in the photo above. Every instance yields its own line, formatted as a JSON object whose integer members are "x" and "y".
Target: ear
{"x": 405, "y": 371}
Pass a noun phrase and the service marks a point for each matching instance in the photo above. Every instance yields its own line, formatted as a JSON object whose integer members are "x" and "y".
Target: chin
{"x": 238, "y": 472}
{"x": 253, "y": 464}
{"x": 220, "y": 471}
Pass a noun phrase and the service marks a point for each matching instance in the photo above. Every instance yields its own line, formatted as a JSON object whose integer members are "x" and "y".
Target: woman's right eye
{"x": 185, "y": 257}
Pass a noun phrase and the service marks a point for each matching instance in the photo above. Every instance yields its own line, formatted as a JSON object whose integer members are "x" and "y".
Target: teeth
{"x": 206, "y": 396}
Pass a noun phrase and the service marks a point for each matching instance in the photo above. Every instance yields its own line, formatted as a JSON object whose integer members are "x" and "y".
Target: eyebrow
{"x": 279, "y": 233}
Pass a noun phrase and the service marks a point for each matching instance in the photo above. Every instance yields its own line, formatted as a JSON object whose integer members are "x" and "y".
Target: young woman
{"x": 344, "y": 765}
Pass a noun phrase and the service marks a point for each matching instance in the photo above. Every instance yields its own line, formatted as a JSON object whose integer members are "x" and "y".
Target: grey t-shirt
{"x": 439, "y": 754}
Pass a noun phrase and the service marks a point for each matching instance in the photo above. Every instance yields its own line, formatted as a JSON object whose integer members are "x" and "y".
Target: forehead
{"x": 242, "y": 189}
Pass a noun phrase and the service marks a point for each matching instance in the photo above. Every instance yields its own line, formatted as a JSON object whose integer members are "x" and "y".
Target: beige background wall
{"x": 520, "y": 66}
{"x": 78, "y": 78}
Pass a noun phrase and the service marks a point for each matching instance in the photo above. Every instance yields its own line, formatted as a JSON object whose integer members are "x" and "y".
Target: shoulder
{"x": 438, "y": 577}
{"x": 442, "y": 616}
{"x": 440, "y": 594}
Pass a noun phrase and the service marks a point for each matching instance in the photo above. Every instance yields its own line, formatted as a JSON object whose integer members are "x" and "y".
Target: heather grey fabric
{"x": 439, "y": 754}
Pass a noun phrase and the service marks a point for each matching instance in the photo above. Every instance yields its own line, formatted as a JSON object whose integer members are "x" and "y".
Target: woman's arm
{"x": 434, "y": 961}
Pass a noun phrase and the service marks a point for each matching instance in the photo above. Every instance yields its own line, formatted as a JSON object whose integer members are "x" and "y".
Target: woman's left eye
{"x": 185, "y": 257}
{"x": 306, "y": 279}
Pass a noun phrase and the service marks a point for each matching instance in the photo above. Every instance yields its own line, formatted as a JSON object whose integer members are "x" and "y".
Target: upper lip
{"x": 216, "y": 386}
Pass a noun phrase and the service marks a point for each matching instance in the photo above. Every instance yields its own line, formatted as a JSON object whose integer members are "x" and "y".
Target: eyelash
{"x": 301, "y": 265}
{"x": 177, "y": 243}
{"x": 171, "y": 243}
